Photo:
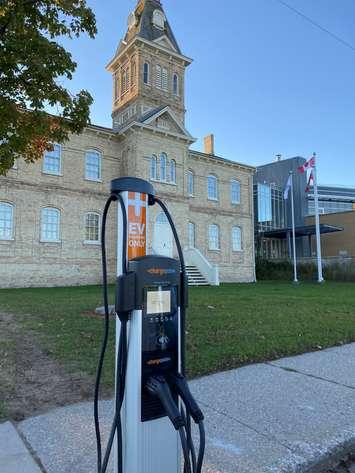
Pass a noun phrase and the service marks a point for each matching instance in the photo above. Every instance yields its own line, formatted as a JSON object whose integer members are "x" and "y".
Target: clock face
{"x": 131, "y": 20}
{"x": 158, "y": 19}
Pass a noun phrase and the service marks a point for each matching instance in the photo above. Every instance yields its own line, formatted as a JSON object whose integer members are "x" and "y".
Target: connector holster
{"x": 125, "y": 294}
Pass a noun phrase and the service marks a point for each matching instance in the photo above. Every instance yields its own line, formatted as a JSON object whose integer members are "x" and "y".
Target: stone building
{"x": 50, "y": 211}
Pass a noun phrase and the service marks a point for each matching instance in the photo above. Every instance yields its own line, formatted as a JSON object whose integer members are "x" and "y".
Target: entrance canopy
{"x": 306, "y": 230}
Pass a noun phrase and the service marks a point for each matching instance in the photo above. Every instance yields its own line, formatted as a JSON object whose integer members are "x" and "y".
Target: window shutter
{"x": 165, "y": 79}
{"x": 158, "y": 77}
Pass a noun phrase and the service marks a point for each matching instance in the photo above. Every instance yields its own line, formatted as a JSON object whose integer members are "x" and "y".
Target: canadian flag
{"x": 310, "y": 181}
{"x": 311, "y": 163}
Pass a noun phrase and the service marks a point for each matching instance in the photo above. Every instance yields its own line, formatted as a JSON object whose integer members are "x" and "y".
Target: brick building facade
{"x": 50, "y": 211}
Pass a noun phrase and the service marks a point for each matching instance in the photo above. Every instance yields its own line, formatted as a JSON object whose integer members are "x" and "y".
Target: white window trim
{"x": 213, "y": 199}
{"x": 171, "y": 164}
{"x": 219, "y": 238}
{"x": 92, "y": 242}
{"x": 191, "y": 225}
{"x": 191, "y": 173}
{"x": 241, "y": 239}
{"x": 44, "y": 240}
{"x": 235, "y": 202}
{"x": 92, "y": 179}
{"x": 12, "y": 237}
{"x": 53, "y": 173}
{"x": 165, "y": 167}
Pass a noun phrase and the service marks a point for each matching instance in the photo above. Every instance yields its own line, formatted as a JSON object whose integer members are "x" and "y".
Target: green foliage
{"x": 269, "y": 270}
{"x": 31, "y": 64}
{"x": 228, "y": 326}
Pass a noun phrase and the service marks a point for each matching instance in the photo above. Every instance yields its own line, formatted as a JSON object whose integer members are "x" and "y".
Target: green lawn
{"x": 228, "y": 326}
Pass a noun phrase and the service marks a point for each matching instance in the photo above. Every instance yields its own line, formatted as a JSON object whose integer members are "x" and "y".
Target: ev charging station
{"x": 152, "y": 427}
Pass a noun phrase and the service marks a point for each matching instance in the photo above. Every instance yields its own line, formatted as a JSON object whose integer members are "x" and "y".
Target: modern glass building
{"x": 332, "y": 199}
{"x": 273, "y": 214}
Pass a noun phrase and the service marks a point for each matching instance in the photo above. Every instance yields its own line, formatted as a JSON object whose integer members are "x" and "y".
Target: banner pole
{"x": 295, "y": 278}
{"x": 316, "y": 205}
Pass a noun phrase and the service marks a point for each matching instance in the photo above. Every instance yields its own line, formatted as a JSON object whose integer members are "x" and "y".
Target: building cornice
{"x": 186, "y": 60}
{"x": 218, "y": 159}
{"x": 156, "y": 130}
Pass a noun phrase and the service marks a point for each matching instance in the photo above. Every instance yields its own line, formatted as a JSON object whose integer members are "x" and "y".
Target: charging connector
{"x": 158, "y": 387}
{"x": 180, "y": 386}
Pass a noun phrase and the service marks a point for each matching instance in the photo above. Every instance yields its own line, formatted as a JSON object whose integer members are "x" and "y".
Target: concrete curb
{"x": 14, "y": 455}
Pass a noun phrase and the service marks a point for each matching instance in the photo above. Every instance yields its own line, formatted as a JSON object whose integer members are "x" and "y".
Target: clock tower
{"x": 148, "y": 69}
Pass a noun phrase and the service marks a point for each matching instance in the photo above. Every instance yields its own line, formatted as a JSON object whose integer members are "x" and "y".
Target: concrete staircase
{"x": 195, "y": 277}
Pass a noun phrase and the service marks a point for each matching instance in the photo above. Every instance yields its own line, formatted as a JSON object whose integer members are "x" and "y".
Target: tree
{"x": 31, "y": 64}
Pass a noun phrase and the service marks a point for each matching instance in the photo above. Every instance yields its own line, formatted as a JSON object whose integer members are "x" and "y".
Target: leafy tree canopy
{"x": 31, "y": 62}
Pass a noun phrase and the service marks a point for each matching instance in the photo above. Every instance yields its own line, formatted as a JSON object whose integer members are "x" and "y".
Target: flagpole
{"x": 316, "y": 205}
{"x": 295, "y": 278}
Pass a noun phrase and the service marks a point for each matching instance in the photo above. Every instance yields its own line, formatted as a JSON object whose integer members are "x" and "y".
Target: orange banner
{"x": 137, "y": 225}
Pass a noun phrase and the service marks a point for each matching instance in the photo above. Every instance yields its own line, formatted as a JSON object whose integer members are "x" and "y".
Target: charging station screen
{"x": 158, "y": 302}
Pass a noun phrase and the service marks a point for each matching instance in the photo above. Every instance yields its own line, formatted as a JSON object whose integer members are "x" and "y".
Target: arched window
{"x": 212, "y": 188}
{"x": 6, "y": 221}
{"x": 164, "y": 79}
{"x": 163, "y": 160}
{"x": 236, "y": 239}
{"x": 153, "y": 167}
{"x": 52, "y": 160}
{"x": 173, "y": 171}
{"x": 158, "y": 76}
{"x": 92, "y": 227}
{"x": 93, "y": 165}
{"x": 191, "y": 232}
{"x": 175, "y": 84}
{"x": 235, "y": 191}
{"x": 161, "y": 219}
{"x": 146, "y": 70}
{"x": 190, "y": 183}
{"x": 50, "y": 225}
{"x": 213, "y": 237}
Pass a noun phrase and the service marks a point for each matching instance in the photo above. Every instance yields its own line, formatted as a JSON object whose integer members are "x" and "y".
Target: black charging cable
{"x": 121, "y": 351}
{"x": 158, "y": 387}
{"x": 197, "y": 466}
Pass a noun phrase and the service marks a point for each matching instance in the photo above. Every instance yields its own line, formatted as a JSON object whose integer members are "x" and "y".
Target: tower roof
{"x": 142, "y": 23}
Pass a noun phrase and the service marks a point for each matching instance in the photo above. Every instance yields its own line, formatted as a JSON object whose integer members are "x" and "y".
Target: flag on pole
{"x": 311, "y": 163}
{"x": 288, "y": 187}
{"x": 310, "y": 181}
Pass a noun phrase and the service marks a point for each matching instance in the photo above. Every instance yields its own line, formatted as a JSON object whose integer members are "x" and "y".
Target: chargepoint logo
{"x": 137, "y": 224}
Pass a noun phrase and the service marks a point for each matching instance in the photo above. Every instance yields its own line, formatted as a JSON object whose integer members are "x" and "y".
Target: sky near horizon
{"x": 264, "y": 80}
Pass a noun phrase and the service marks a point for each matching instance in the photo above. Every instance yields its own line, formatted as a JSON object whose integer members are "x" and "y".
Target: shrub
{"x": 283, "y": 270}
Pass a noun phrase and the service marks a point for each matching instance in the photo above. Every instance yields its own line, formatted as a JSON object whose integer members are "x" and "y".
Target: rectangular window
{"x": 235, "y": 192}
{"x": 191, "y": 234}
{"x": 190, "y": 183}
{"x": 264, "y": 203}
{"x": 52, "y": 161}
{"x": 237, "y": 239}
{"x": 146, "y": 73}
{"x": 50, "y": 225}
{"x": 92, "y": 228}
{"x": 212, "y": 190}
{"x": 93, "y": 166}
{"x": 6, "y": 221}
{"x": 213, "y": 237}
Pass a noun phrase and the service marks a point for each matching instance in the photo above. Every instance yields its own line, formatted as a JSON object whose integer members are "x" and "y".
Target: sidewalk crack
{"x": 309, "y": 375}
{"x": 267, "y": 436}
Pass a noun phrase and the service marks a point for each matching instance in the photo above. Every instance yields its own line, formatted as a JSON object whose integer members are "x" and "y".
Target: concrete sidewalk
{"x": 288, "y": 416}
{"x": 14, "y": 456}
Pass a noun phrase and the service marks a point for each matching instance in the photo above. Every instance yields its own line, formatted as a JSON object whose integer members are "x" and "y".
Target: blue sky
{"x": 263, "y": 80}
